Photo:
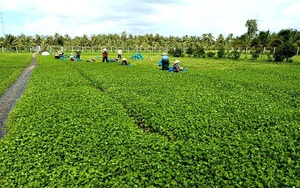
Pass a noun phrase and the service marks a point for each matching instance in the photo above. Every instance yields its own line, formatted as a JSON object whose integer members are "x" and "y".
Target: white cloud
{"x": 138, "y": 17}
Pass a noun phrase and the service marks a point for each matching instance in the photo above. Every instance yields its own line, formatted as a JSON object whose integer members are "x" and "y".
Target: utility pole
{"x": 2, "y": 28}
{"x": 2, "y": 23}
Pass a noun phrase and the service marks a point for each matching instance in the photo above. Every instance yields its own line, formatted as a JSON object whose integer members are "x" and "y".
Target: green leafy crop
{"x": 220, "y": 124}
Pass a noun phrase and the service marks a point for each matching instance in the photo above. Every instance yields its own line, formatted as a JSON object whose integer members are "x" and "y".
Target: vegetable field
{"x": 222, "y": 123}
{"x": 11, "y": 67}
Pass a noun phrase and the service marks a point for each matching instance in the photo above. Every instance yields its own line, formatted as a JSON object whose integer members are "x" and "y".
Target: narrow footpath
{"x": 10, "y": 97}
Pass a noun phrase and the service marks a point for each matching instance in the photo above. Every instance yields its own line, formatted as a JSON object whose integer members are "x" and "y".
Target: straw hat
{"x": 164, "y": 53}
{"x": 104, "y": 49}
{"x": 176, "y": 61}
{"x": 124, "y": 59}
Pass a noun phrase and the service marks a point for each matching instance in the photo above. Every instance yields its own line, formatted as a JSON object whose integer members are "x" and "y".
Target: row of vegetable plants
{"x": 103, "y": 124}
{"x": 248, "y": 115}
{"x": 11, "y": 66}
{"x": 64, "y": 132}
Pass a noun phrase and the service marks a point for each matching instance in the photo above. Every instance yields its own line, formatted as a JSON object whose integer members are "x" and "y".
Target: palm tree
{"x": 58, "y": 39}
{"x": 265, "y": 40}
{"x": 229, "y": 40}
{"x": 67, "y": 40}
{"x": 26, "y": 42}
{"x": 94, "y": 41}
{"x": 9, "y": 42}
{"x": 208, "y": 40}
{"x": 37, "y": 40}
{"x": 290, "y": 36}
{"x": 45, "y": 44}
{"x": 220, "y": 41}
{"x": 244, "y": 42}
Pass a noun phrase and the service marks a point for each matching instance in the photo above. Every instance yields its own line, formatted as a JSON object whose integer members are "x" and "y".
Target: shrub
{"x": 177, "y": 52}
{"x": 270, "y": 58}
{"x": 211, "y": 54}
{"x": 199, "y": 52}
{"x": 285, "y": 51}
{"x": 221, "y": 52}
{"x": 255, "y": 54}
{"x": 189, "y": 51}
{"x": 235, "y": 54}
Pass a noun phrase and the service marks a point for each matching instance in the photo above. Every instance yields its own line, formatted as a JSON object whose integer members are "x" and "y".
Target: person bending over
{"x": 165, "y": 61}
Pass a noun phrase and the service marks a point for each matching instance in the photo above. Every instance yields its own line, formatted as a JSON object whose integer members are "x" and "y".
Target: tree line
{"x": 282, "y": 45}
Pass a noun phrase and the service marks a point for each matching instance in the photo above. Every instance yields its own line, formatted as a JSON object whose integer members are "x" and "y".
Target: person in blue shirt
{"x": 165, "y": 61}
{"x": 176, "y": 67}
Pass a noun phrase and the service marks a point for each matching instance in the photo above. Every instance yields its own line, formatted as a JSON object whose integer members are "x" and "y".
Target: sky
{"x": 140, "y": 17}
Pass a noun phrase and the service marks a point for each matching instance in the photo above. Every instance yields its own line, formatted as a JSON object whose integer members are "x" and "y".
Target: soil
{"x": 10, "y": 97}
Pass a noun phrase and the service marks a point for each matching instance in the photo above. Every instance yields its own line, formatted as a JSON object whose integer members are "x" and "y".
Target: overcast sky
{"x": 139, "y": 17}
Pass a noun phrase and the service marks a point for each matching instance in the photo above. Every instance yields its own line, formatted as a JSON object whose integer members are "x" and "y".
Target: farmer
{"x": 120, "y": 53}
{"x": 72, "y": 58}
{"x": 104, "y": 55}
{"x": 124, "y": 62}
{"x": 176, "y": 67}
{"x": 78, "y": 52}
{"x": 165, "y": 61}
{"x": 61, "y": 54}
{"x": 91, "y": 60}
{"x": 57, "y": 56}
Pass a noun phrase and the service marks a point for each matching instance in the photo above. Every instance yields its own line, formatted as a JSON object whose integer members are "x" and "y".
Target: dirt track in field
{"x": 10, "y": 97}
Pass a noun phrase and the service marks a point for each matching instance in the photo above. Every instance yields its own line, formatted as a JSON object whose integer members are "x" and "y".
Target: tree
{"x": 58, "y": 39}
{"x": 220, "y": 41}
{"x": 208, "y": 40}
{"x": 252, "y": 27}
{"x": 245, "y": 42}
{"x": 265, "y": 39}
{"x": 9, "y": 41}
{"x": 25, "y": 42}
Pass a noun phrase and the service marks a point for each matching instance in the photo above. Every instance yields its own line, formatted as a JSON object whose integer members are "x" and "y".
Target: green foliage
{"x": 221, "y": 52}
{"x": 177, "y": 52}
{"x": 199, "y": 52}
{"x": 285, "y": 51}
{"x": 82, "y": 124}
{"x": 235, "y": 54}
{"x": 210, "y": 54}
{"x": 196, "y": 51}
{"x": 190, "y": 51}
{"x": 11, "y": 67}
{"x": 270, "y": 58}
{"x": 255, "y": 54}
{"x": 278, "y": 56}
{"x": 251, "y": 27}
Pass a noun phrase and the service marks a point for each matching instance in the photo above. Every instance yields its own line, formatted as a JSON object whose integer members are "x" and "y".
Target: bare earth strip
{"x": 10, "y": 97}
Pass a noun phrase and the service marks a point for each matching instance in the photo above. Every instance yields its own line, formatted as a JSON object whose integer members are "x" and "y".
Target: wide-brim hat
{"x": 164, "y": 54}
{"x": 124, "y": 59}
{"x": 176, "y": 61}
{"x": 104, "y": 49}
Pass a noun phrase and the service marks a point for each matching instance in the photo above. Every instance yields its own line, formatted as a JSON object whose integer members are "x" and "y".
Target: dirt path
{"x": 10, "y": 97}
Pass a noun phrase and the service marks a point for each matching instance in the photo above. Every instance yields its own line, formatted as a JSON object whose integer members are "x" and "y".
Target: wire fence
{"x": 54, "y": 49}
